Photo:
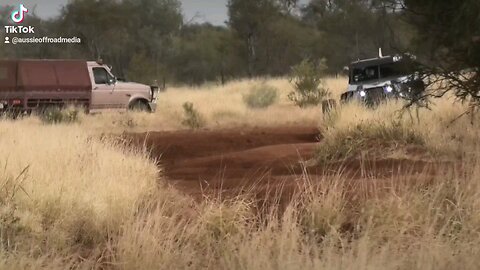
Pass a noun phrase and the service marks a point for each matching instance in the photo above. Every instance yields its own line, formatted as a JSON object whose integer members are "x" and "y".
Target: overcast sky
{"x": 213, "y": 11}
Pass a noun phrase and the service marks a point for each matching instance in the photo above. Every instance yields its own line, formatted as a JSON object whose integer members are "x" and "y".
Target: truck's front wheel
{"x": 139, "y": 106}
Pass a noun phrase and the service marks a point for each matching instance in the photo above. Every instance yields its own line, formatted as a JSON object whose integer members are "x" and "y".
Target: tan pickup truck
{"x": 29, "y": 85}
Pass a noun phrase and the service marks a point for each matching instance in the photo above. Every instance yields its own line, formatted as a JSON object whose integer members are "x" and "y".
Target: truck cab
{"x": 110, "y": 93}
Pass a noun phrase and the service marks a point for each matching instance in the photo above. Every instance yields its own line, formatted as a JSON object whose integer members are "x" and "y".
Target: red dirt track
{"x": 231, "y": 159}
{"x": 259, "y": 160}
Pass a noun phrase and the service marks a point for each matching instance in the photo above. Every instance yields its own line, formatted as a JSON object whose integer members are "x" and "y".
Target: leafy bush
{"x": 308, "y": 84}
{"x": 193, "y": 119}
{"x": 56, "y": 115}
{"x": 261, "y": 96}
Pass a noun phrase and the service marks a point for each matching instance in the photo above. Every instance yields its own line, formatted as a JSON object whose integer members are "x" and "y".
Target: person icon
{"x": 7, "y": 40}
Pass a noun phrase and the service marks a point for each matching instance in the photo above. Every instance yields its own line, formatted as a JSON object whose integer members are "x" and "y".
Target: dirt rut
{"x": 258, "y": 160}
{"x": 231, "y": 159}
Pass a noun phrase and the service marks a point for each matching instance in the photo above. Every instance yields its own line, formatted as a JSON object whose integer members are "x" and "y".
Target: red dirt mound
{"x": 262, "y": 160}
{"x": 229, "y": 158}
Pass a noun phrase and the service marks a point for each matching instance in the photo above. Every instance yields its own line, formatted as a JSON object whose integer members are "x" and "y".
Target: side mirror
{"x": 111, "y": 81}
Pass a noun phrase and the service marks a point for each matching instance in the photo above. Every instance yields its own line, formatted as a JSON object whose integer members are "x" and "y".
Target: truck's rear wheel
{"x": 139, "y": 106}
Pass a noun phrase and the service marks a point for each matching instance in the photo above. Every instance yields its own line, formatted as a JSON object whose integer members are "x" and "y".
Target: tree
{"x": 448, "y": 39}
{"x": 152, "y": 29}
{"x": 95, "y": 22}
{"x": 355, "y": 30}
{"x": 274, "y": 38}
{"x": 307, "y": 82}
{"x": 116, "y": 30}
{"x": 205, "y": 53}
{"x": 249, "y": 18}
{"x": 285, "y": 43}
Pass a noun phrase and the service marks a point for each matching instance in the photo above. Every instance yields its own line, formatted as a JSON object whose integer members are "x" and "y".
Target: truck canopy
{"x": 44, "y": 75}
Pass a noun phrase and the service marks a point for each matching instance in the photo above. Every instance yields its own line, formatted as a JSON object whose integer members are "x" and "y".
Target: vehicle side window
{"x": 101, "y": 76}
{"x": 395, "y": 70}
{"x": 387, "y": 71}
{"x": 365, "y": 74}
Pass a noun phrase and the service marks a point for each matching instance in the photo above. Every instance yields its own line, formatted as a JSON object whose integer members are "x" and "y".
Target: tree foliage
{"x": 273, "y": 39}
{"x": 118, "y": 31}
{"x": 307, "y": 82}
{"x": 205, "y": 53}
{"x": 448, "y": 42}
{"x": 355, "y": 29}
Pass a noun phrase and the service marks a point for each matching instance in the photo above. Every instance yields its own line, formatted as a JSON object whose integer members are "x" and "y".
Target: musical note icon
{"x": 19, "y": 15}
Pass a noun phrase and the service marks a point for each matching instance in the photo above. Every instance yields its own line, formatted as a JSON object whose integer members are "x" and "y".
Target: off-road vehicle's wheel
{"x": 139, "y": 106}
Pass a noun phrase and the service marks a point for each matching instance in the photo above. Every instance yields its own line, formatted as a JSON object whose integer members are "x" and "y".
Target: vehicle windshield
{"x": 364, "y": 74}
{"x": 375, "y": 72}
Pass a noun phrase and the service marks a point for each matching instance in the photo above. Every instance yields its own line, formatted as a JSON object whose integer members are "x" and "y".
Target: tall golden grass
{"x": 63, "y": 188}
{"x": 72, "y": 199}
{"x": 220, "y": 106}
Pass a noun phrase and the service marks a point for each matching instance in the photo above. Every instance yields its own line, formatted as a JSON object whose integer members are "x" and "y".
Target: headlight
{"x": 362, "y": 93}
{"x": 388, "y": 88}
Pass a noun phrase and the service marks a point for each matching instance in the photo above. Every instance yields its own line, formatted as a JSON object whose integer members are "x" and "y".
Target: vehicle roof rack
{"x": 381, "y": 60}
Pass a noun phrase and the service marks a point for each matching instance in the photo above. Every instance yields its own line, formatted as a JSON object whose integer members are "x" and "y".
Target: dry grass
{"x": 220, "y": 106}
{"x": 64, "y": 189}
{"x": 437, "y": 130}
{"x": 70, "y": 200}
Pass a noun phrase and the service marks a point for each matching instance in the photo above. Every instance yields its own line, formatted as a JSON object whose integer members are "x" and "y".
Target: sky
{"x": 213, "y": 11}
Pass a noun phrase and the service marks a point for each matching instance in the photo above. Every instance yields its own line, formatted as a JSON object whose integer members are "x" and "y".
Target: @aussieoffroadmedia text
{"x": 42, "y": 40}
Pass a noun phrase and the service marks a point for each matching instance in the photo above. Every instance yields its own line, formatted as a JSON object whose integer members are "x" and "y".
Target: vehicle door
{"x": 103, "y": 88}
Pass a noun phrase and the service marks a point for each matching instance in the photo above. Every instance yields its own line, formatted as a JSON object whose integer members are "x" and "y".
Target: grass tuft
{"x": 192, "y": 119}
{"x": 261, "y": 96}
{"x": 369, "y": 136}
{"x": 57, "y": 115}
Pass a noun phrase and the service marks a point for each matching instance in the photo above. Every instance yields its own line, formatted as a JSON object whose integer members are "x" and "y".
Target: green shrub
{"x": 193, "y": 119}
{"x": 261, "y": 96}
{"x": 308, "y": 84}
{"x": 56, "y": 115}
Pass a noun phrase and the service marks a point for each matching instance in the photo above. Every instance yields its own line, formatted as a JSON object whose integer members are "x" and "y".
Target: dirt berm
{"x": 259, "y": 160}
{"x": 200, "y": 161}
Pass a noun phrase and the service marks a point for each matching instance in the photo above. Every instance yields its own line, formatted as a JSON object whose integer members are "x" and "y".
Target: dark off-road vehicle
{"x": 372, "y": 81}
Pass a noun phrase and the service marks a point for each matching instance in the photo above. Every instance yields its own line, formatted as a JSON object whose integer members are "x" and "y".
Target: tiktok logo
{"x": 19, "y": 15}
